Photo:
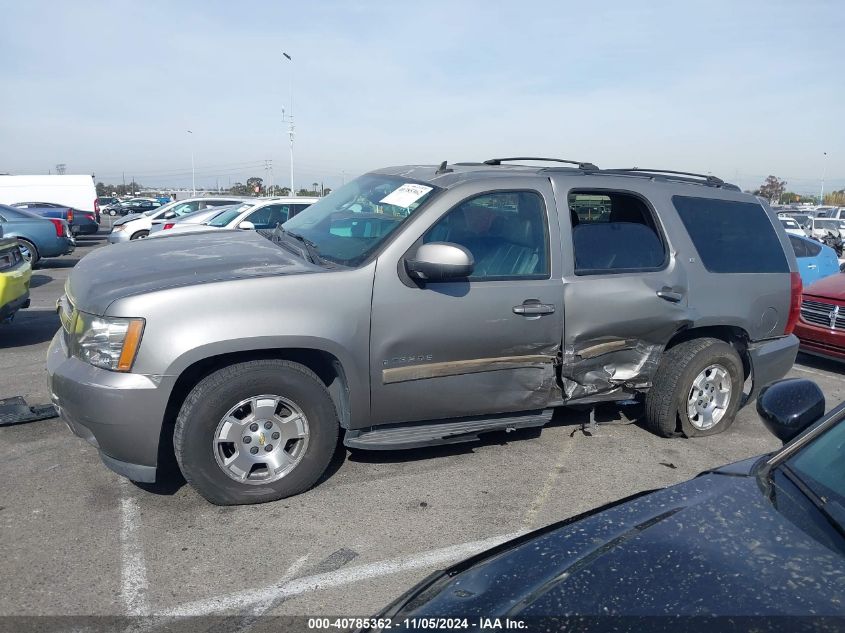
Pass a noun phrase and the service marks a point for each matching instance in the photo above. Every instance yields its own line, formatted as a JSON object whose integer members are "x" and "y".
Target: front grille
{"x": 10, "y": 258}
{"x": 827, "y": 315}
{"x": 67, "y": 316}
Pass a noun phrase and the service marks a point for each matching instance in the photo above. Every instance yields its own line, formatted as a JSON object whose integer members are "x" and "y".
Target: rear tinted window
{"x": 804, "y": 248}
{"x": 732, "y": 237}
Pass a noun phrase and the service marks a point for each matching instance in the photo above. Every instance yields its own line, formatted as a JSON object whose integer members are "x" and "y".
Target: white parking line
{"x": 133, "y": 569}
{"x": 242, "y": 600}
{"x": 815, "y": 371}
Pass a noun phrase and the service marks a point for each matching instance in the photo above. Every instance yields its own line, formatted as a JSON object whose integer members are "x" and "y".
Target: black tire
{"x": 139, "y": 235}
{"x": 36, "y": 256}
{"x": 666, "y": 403}
{"x": 217, "y": 393}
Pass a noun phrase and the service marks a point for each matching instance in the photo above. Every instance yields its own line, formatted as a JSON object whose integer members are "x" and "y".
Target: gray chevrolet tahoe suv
{"x": 419, "y": 305}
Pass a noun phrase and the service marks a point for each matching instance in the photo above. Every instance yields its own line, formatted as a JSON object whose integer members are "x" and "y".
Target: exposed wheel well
{"x": 734, "y": 336}
{"x": 327, "y": 367}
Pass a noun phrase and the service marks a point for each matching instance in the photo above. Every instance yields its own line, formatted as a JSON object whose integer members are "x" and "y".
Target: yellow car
{"x": 15, "y": 273}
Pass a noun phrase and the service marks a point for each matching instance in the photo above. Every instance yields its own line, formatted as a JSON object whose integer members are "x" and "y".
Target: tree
{"x": 772, "y": 189}
{"x": 255, "y": 185}
{"x": 835, "y": 198}
{"x": 240, "y": 189}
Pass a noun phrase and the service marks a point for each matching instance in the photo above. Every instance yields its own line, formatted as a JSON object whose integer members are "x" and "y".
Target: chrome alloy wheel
{"x": 25, "y": 252}
{"x": 709, "y": 397}
{"x": 261, "y": 439}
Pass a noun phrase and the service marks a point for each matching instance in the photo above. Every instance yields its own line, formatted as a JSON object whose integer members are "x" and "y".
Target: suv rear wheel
{"x": 697, "y": 389}
{"x": 256, "y": 431}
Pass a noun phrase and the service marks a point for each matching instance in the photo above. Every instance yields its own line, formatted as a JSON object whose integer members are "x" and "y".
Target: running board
{"x": 390, "y": 437}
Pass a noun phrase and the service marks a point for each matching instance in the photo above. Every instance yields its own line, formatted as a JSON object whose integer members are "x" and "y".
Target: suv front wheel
{"x": 256, "y": 431}
{"x": 697, "y": 389}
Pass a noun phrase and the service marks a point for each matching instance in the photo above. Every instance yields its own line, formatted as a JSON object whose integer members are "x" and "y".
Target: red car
{"x": 821, "y": 327}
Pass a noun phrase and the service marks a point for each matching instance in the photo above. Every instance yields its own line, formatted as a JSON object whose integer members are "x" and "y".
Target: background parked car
{"x": 81, "y": 222}
{"x": 815, "y": 260}
{"x": 821, "y": 328}
{"x": 139, "y": 226}
{"x": 75, "y": 191}
{"x": 790, "y": 225}
{"x": 199, "y": 217}
{"x": 37, "y": 237}
{"x": 267, "y": 213}
{"x": 134, "y": 205}
{"x": 15, "y": 273}
{"x": 775, "y": 519}
{"x": 819, "y": 227}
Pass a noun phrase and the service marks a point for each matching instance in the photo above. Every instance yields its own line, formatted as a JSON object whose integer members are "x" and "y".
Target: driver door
{"x": 483, "y": 345}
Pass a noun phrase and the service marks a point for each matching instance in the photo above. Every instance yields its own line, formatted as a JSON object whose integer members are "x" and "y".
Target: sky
{"x": 739, "y": 89}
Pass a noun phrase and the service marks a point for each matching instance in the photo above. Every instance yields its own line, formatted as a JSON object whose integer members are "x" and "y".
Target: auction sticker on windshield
{"x": 406, "y": 195}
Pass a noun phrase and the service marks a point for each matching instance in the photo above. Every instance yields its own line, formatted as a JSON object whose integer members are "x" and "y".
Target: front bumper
{"x": 14, "y": 290}
{"x": 117, "y": 237}
{"x": 121, "y": 414}
{"x": 770, "y": 361}
{"x": 821, "y": 341}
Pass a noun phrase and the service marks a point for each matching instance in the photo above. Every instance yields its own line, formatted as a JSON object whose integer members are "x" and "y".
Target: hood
{"x": 710, "y": 546}
{"x": 832, "y": 287}
{"x": 128, "y": 218}
{"x": 141, "y": 266}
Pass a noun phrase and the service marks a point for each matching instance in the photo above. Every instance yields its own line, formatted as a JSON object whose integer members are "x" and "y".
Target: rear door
{"x": 808, "y": 267}
{"x": 625, "y": 293}
{"x": 483, "y": 345}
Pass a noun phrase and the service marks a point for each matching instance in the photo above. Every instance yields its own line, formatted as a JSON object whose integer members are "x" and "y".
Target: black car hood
{"x": 141, "y": 266}
{"x": 710, "y": 546}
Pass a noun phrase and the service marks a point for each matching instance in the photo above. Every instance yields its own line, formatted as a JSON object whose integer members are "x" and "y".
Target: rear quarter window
{"x": 732, "y": 237}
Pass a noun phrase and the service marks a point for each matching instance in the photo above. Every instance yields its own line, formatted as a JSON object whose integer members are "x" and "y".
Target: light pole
{"x": 824, "y": 170}
{"x": 193, "y": 173}
{"x": 289, "y": 120}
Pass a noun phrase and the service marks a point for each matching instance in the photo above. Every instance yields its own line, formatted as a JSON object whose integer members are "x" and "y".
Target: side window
{"x": 732, "y": 236}
{"x": 186, "y": 208}
{"x": 613, "y": 232}
{"x": 799, "y": 246}
{"x": 270, "y": 216}
{"x": 506, "y": 232}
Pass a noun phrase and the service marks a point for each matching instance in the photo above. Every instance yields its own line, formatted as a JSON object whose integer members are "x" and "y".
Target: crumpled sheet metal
{"x": 604, "y": 366}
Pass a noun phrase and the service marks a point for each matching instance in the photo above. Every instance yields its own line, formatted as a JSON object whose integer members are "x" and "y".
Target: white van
{"x": 78, "y": 192}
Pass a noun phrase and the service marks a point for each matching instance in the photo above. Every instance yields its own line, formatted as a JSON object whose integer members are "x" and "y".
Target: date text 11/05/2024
{"x": 416, "y": 624}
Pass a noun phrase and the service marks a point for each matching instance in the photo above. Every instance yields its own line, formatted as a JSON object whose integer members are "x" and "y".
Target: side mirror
{"x": 439, "y": 261}
{"x": 169, "y": 215}
{"x": 789, "y": 406}
{"x": 246, "y": 225}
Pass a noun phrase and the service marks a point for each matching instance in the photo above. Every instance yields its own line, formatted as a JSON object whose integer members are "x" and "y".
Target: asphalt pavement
{"x": 80, "y": 540}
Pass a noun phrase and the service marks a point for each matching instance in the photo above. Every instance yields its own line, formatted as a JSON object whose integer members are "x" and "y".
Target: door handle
{"x": 812, "y": 266}
{"x": 532, "y": 307}
{"x": 670, "y": 295}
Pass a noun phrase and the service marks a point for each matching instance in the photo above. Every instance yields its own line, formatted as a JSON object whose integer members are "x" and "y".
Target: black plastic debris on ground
{"x": 15, "y": 410}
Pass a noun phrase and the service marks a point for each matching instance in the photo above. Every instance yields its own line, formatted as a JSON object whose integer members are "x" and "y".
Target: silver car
{"x": 422, "y": 305}
{"x": 138, "y": 226}
{"x": 262, "y": 213}
{"x": 194, "y": 219}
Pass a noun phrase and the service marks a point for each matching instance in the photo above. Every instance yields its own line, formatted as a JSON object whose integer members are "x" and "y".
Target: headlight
{"x": 118, "y": 227}
{"x": 107, "y": 342}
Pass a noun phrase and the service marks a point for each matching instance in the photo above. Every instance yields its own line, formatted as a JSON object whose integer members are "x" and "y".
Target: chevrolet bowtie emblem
{"x": 833, "y": 315}
{"x": 261, "y": 439}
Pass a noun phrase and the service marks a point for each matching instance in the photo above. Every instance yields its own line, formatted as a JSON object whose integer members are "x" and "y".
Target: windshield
{"x": 821, "y": 466}
{"x": 228, "y": 215}
{"x": 831, "y": 225}
{"x": 349, "y": 224}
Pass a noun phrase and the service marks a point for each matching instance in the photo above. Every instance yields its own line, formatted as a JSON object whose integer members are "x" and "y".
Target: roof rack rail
{"x": 580, "y": 164}
{"x": 710, "y": 180}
